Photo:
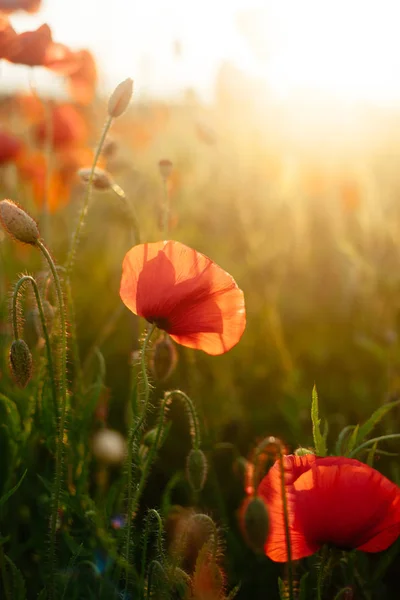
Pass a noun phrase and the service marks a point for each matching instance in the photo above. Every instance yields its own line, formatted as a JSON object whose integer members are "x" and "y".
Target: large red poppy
{"x": 185, "y": 293}
{"x": 334, "y": 500}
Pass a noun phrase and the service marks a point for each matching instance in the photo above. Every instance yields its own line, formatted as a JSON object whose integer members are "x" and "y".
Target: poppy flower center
{"x": 161, "y": 322}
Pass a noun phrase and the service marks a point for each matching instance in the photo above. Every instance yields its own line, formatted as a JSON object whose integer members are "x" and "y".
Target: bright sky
{"x": 347, "y": 48}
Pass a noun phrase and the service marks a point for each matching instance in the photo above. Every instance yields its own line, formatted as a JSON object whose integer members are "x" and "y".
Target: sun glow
{"x": 347, "y": 49}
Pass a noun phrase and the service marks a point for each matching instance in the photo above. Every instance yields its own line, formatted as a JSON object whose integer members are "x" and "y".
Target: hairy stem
{"x": 82, "y": 215}
{"x": 131, "y": 440}
{"x": 20, "y": 283}
{"x": 61, "y": 414}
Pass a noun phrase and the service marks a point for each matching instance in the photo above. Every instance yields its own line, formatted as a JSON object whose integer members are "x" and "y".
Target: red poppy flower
{"x": 69, "y": 127}
{"x": 28, "y": 48}
{"x": 333, "y": 500}
{"x": 185, "y": 293}
{"x": 10, "y": 147}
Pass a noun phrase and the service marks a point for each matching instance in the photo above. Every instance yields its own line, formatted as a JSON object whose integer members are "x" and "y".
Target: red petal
{"x": 332, "y": 500}
{"x": 185, "y": 293}
{"x": 270, "y": 490}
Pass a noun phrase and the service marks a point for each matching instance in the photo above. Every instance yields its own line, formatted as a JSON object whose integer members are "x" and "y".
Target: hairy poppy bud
{"x": 101, "y": 180}
{"x": 120, "y": 98}
{"x": 196, "y": 469}
{"x": 18, "y": 223}
{"x": 165, "y": 167}
{"x": 109, "y": 446}
{"x": 20, "y": 362}
{"x": 255, "y": 522}
{"x": 163, "y": 358}
{"x": 303, "y": 451}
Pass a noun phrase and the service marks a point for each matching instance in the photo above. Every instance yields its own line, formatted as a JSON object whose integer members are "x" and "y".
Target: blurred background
{"x": 282, "y": 122}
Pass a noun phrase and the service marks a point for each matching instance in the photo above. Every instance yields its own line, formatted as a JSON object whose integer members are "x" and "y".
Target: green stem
{"x": 62, "y": 414}
{"x": 287, "y": 529}
{"x": 392, "y": 436}
{"x": 20, "y": 283}
{"x": 151, "y": 513}
{"x": 75, "y": 239}
{"x": 131, "y": 438}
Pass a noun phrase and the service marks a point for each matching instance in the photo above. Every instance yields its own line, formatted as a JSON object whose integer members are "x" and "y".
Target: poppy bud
{"x": 101, "y": 180}
{"x": 196, "y": 469}
{"x": 163, "y": 358}
{"x": 109, "y": 446}
{"x": 165, "y": 167}
{"x": 21, "y": 362}
{"x": 120, "y": 98}
{"x": 18, "y": 223}
{"x": 255, "y": 523}
{"x": 303, "y": 451}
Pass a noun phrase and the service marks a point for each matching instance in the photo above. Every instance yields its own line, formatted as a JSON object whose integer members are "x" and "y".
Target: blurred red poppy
{"x": 10, "y": 147}
{"x": 30, "y": 6}
{"x": 68, "y": 127}
{"x": 28, "y": 48}
{"x": 185, "y": 293}
{"x": 333, "y": 500}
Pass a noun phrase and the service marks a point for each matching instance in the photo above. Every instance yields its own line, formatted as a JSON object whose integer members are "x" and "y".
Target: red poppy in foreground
{"x": 185, "y": 293}
{"x": 333, "y": 500}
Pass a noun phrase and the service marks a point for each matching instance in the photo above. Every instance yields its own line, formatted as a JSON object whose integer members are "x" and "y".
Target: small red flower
{"x": 185, "y": 293}
{"x": 333, "y": 500}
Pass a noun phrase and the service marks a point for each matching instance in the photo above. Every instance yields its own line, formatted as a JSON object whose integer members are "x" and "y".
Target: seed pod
{"x": 120, "y": 98}
{"x": 255, "y": 523}
{"x": 164, "y": 358}
{"x": 20, "y": 362}
{"x": 101, "y": 179}
{"x": 165, "y": 167}
{"x": 18, "y": 223}
{"x": 196, "y": 469}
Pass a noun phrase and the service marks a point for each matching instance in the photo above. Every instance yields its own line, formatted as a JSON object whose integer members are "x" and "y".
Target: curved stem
{"x": 62, "y": 413}
{"x": 75, "y": 238}
{"x": 19, "y": 284}
{"x": 151, "y": 513}
{"x": 194, "y": 421}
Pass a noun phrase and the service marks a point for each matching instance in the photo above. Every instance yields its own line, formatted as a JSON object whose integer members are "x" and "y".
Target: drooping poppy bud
{"x": 20, "y": 362}
{"x": 254, "y": 521}
{"x": 18, "y": 223}
{"x": 101, "y": 180}
{"x": 196, "y": 469}
{"x": 163, "y": 358}
{"x": 120, "y": 98}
